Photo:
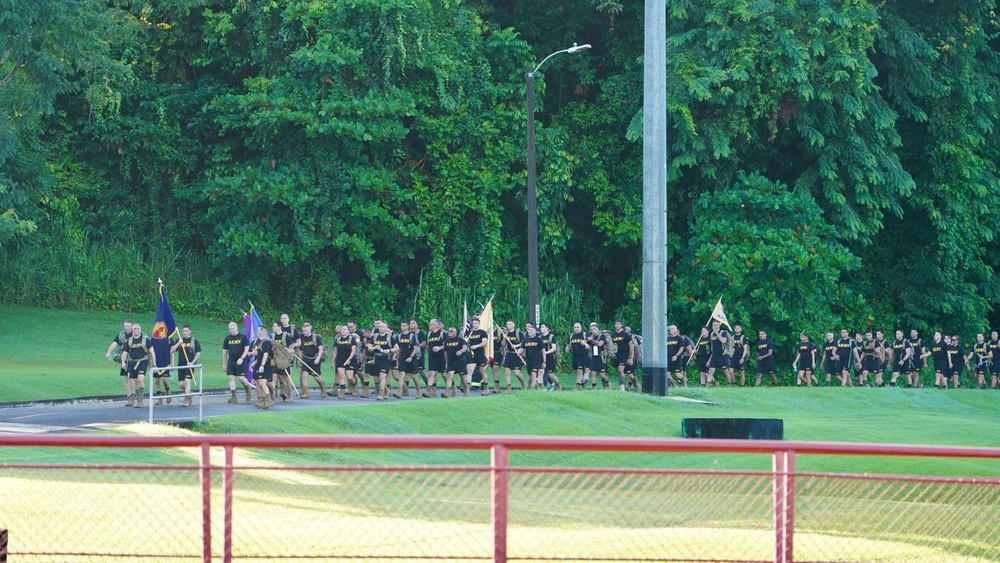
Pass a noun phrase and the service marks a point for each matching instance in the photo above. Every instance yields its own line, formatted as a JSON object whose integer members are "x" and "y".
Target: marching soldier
{"x": 599, "y": 343}
{"x": 310, "y": 353}
{"x": 188, "y": 351}
{"x": 512, "y": 359}
{"x": 235, "y": 349}
{"x": 137, "y": 356}
{"x": 578, "y": 349}
{"x": 119, "y": 341}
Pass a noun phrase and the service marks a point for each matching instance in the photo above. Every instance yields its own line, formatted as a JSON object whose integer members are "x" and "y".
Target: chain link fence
{"x": 248, "y": 507}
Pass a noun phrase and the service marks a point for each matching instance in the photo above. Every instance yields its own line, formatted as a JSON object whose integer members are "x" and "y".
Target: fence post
{"x": 3, "y": 545}
{"x": 784, "y": 505}
{"x": 206, "y": 503}
{"x": 227, "y": 492}
{"x": 498, "y": 473}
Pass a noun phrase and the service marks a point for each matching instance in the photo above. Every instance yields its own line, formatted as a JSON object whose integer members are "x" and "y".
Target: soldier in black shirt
{"x": 702, "y": 354}
{"x": 916, "y": 360}
{"x": 830, "y": 358}
{"x": 679, "y": 349}
{"x": 869, "y": 363}
{"x": 981, "y": 356}
{"x": 882, "y": 355}
{"x": 741, "y": 352}
{"x": 407, "y": 350}
{"x": 310, "y": 351}
{"x": 137, "y": 356}
{"x": 478, "y": 340}
{"x": 902, "y": 357}
{"x": 421, "y": 337}
{"x": 938, "y": 350}
{"x": 551, "y": 348}
{"x": 380, "y": 358}
{"x": 598, "y": 341}
{"x": 188, "y": 351}
{"x": 283, "y": 377}
{"x": 534, "y": 355}
{"x": 624, "y": 356}
{"x": 512, "y": 353}
{"x": 579, "y": 350}
{"x": 957, "y": 353}
{"x": 805, "y": 360}
{"x": 436, "y": 356}
{"x": 454, "y": 349}
{"x": 718, "y": 359}
{"x": 993, "y": 349}
{"x": 345, "y": 360}
{"x": 765, "y": 358}
{"x": 263, "y": 351}
{"x": 847, "y": 350}
{"x": 117, "y": 358}
{"x": 235, "y": 349}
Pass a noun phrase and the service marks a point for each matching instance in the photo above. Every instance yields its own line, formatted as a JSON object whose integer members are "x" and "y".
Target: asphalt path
{"x": 94, "y": 413}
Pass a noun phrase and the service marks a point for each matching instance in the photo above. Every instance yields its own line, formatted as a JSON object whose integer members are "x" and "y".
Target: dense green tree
{"x": 47, "y": 49}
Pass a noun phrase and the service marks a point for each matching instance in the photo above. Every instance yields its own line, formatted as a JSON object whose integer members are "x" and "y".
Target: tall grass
{"x": 112, "y": 275}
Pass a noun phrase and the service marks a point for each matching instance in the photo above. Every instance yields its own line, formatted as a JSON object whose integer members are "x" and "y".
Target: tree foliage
{"x": 831, "y": 162}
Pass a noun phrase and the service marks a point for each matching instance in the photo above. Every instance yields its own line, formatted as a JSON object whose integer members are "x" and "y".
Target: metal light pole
{"x": 534, "y": 306}
{"x": 654, "y": 201}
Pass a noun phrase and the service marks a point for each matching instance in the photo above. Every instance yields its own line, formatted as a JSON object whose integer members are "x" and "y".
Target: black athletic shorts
{"x": 479, "y": 357}
{"x": 185, "y": 373}
{"x": 266, "y": 375}
{"x": 598, "y": 365}
{"x": 870, "y": 366}
{"x": 995, "y": 367}
{"x": 718, "y": 361}
{"x": 312, "y": 366}
{"x": 679, "y": 365}
{"x": 535, "y": 364}
{"x": 806, "y": 366}
{"x": 409, "y": 366}
{"x": 702, "y": 362}
{"x": 581, "y": 362}
{"x": 833, "y": 367}
{"x": 512, "y": 361}
{"x": 382, "y": 363}
{"x": 136, "y": 370}
{"x": 370, "y": 368}
{"x": 738, "y": 363}
{"x": 765, "y": 366}
{"x": 232, "y": 368}
{"x": 436, "y": 363}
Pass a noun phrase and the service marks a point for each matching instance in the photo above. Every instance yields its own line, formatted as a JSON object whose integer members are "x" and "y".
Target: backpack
{"x": 729, "y": 348}
{"x": 610, "y": 348}
{"x": 282, "y": 355}
{"x": 637, "y": 345}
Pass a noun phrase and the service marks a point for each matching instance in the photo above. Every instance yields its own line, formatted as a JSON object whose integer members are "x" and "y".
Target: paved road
{"x": 97, "y": 413}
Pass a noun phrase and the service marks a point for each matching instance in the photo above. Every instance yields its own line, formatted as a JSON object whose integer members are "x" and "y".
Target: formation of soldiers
{"x": 849, "y": 359}
{"x": 375, "y": 359}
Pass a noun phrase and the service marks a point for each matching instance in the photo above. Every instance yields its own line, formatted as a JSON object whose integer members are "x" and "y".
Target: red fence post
{"x": 227, "y": 492}
{"x": 784, "y": 505}
{"x": 206, "y": 503}
{"x": 500, "y": 458}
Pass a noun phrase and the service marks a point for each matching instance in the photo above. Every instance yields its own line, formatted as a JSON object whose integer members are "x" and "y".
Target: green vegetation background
{"x": 831, "y": 163}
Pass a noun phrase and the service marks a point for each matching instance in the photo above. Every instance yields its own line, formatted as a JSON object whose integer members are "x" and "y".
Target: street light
{"x": 534, "y": 308}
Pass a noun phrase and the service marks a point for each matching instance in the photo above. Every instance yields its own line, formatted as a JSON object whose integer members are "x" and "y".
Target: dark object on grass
{"x": 733, "y": 428}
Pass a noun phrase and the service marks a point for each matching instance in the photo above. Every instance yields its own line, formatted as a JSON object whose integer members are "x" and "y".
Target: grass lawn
{"x": 53, "y": 354}
{"x": 553, "y": 515}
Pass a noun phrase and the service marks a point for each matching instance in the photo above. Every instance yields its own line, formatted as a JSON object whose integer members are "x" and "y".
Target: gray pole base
{"x": 654, "y": 381}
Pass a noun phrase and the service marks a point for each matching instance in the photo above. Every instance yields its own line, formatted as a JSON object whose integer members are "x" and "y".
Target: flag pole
{"x": 710, "y": 317}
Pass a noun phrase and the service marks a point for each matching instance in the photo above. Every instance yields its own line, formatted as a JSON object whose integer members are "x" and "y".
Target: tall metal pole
{"x": 534, "y": 307}
{"x": 654, "y": 201}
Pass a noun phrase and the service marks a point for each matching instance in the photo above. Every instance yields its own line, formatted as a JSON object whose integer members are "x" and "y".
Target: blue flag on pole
{"x": 164, "y": 328}
{"x": 251, "y": 322}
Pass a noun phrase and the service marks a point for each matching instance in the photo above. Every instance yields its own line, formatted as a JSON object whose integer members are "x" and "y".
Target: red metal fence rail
{"x": 218, "y": 508}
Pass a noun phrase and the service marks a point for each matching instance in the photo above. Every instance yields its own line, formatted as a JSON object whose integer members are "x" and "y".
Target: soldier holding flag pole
{"x": 164, "y": 330}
